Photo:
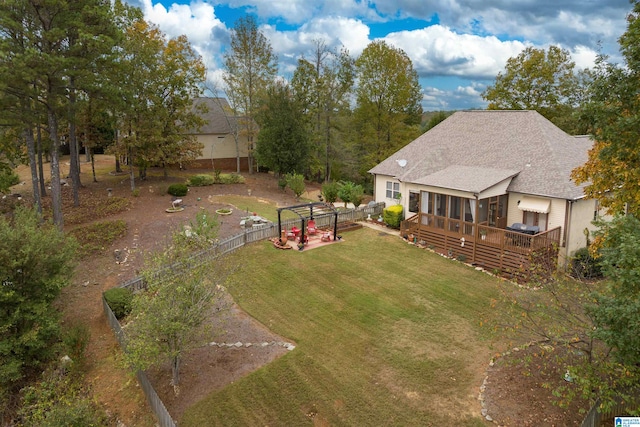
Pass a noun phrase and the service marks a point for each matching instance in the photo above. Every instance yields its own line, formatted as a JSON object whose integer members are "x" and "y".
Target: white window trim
{"x": 394, "y": 188}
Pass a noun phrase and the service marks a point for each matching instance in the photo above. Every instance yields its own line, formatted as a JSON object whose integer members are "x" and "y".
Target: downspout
{"x": 567, "y": 232}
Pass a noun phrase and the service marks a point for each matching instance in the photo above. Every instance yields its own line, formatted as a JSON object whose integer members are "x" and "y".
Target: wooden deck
{"x": 512, "y": 254}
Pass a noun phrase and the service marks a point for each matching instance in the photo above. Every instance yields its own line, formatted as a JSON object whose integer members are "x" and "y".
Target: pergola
{"x": 310, "y": 211}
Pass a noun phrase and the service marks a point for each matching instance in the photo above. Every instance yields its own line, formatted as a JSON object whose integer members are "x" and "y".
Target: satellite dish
{"x": 402, "y": 162}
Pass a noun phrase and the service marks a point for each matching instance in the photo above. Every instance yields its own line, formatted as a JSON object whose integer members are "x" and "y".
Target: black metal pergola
{"x": 309, "y": 211}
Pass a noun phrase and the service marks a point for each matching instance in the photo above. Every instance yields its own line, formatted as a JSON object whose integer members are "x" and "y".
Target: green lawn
{"x": 265, "y": 208}
{"x": 386, "y": 334}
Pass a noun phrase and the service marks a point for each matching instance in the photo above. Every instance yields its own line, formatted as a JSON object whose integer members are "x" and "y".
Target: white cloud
{"x": 197, "y": 21}
{"x": 473, "y": 41}
{"x": 437, "y": 50}
{"x": 335, "y": 32}
{"x": 584, "y": 57}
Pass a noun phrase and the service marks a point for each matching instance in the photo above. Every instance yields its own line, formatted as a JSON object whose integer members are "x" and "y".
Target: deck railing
{"x": 495, "y": 248}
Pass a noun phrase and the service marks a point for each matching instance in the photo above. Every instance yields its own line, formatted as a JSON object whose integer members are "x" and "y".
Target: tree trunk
{"x": 327, "y": 171}
{"x": 118, "y": 167}
{"x": 74, "y": 150}
{"x": 43, "y": 188}
{"x": 132, "y": 177}
{"x": 175, "y": 371}
{"x": 74, "y": 161}
{"x": 56, "y": 190}
{"x": 31, "y": 151}
{"x": 93, "y": 163}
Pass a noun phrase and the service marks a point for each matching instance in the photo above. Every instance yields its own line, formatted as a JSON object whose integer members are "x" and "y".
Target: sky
{"x": 457, "y": 47}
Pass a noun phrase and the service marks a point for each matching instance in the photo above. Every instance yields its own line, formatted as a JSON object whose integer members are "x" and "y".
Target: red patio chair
{"x": 311, "y": 228}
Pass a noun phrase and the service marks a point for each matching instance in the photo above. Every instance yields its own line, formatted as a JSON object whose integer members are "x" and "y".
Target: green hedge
{"x": 393, "y": 215}
{"x": 119, "y": 299}
{"x": 178, "y": 190}
{"x": 230, "y": 178}
{"x": 201, "y": 180}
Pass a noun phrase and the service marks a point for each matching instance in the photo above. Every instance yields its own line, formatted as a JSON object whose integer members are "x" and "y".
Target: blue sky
{"x": 457, "y": 46}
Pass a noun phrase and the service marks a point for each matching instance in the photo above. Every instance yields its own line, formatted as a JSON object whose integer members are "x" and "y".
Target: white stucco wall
{"x": 221, "y": 148}
{"x": 581, "y": 216}
{"x": 555, "y": 217}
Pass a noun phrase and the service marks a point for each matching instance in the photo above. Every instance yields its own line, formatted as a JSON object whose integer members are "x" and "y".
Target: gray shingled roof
{"x": 474, "y": 148}
{"x": 472, "y": 179}
{"x": 215, "y": 121}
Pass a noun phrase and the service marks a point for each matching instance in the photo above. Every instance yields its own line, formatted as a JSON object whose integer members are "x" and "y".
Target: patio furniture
{"x": 295, "y": 230}
{"x": 311, "y": 227}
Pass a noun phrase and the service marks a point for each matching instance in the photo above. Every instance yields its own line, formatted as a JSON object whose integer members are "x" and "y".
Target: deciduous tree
{"x": 157, "y": 106}
{"x": 388, "y": 110}
{"x": 323, "y": 84}
{"x": 251, "y": 67}
{"x": 169, "y": 318}
{"x": 541, "y": 80}
{"x": 612, "y": 172}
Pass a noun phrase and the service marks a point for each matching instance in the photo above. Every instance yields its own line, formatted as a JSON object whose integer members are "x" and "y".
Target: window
{"x": 534, "y": 218}
{"x": 441, "y": 204}
{"x": 393, "y": 190}
{"x": 454, "y": 207}
{"x": 414, "y": 201}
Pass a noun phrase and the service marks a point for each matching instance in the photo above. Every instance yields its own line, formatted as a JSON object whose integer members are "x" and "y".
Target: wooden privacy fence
{"x": 219, "y": 248}
{"x": 598, "y": 418}
{"x": 164, "y": 418}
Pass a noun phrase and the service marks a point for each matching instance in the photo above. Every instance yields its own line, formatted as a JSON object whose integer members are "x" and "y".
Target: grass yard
{"x": 265, "y": 208}
{"x": 386, "y": 334}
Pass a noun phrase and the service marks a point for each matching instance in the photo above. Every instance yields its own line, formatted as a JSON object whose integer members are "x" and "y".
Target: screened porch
{"x": 475, "y": 230}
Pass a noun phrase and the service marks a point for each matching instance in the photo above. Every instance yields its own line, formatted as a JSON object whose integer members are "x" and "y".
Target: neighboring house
{"x": 218, "y": 137}
{"x": 492, "y": 187}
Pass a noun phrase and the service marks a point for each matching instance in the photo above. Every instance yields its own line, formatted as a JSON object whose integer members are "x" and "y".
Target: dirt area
{"x": 519, "y": 389}
{"x": 514, "y": 393}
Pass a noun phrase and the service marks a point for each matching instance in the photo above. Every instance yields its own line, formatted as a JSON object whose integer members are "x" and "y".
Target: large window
{"x": 440, "y": 204}
{"x": 393, "y": 190}
{"x": 454, "y": 207}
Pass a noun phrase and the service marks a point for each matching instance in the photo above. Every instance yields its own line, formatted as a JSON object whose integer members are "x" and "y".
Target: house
{"x": 218, "y": 136}
{"x": 492, "y": 187}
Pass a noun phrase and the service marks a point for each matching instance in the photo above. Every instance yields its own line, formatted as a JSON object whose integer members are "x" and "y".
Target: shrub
{"x": 119, "y": 299}
{"x": 178, "y": 190}
{"x": 393, "y": 215}
{"x": 8, "y": 178}
{"x": 201, "y": 180}
{"x": 584, "y": 265}
{"x": 330, "y": 191}
{"x": 76, "y": 338}
{"x": 230, "y": 178}
{"x": 282, "y": 183}
{"x": 350, "y": 192}
{"x": 296, "y": 183}
{"x": 59, "y": 400}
